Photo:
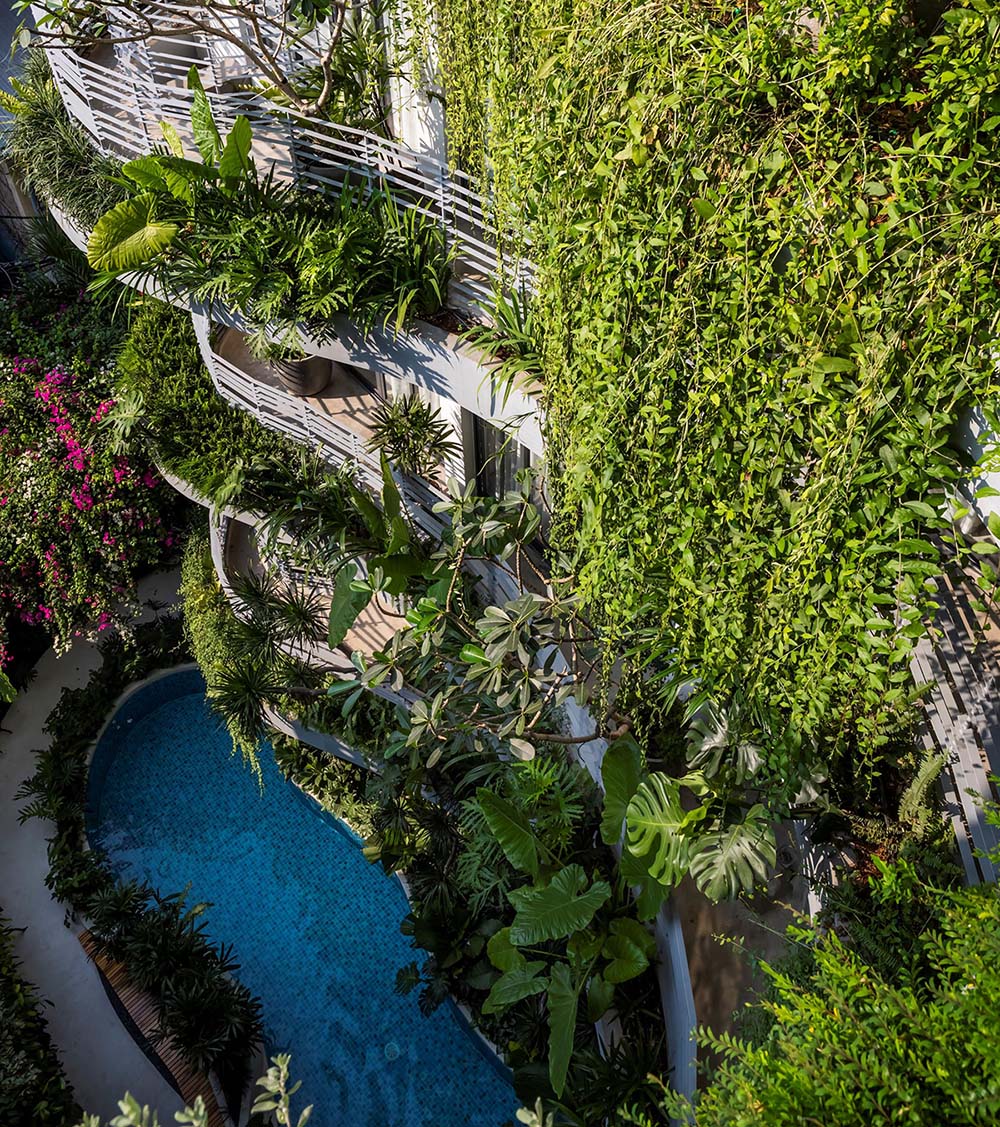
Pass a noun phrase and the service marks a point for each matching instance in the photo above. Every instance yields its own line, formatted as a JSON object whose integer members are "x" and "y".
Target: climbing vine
{"x": 766, "y": 252}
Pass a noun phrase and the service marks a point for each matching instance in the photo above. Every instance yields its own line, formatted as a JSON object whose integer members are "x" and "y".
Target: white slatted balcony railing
{"x": 122, "y": 102}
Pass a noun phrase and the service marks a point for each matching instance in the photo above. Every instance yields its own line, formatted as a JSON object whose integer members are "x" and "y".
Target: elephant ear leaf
{"x": 565, "y": 905}
{"x": 658, "y": 827}
{"x": 621, "y": 771}
{"x": 147, "y": 172}
{"x": 511, "y": 829}
{"x": 206, "y": 132}
{"x": 521, "y": 981}
{"x": 562, "y": 1000}
{"x": 650, "y": 894}
{"x": 630, "y": 948}
{"x": 502, "y": 953}
{"x": 735, "y": 858}
{"x": 235, "y": 161}
{"x": 129, "y": 236}
{"x": 346, "y": 605}
{"x": 172, "y": 138}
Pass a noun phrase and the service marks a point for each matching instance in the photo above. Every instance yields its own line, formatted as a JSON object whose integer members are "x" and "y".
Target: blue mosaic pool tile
{"x": 314, "y": 926}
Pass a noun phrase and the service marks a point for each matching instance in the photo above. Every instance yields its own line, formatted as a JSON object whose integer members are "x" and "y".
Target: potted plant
{"x": 300, "y": 373}
{"x": 412, "y": 435}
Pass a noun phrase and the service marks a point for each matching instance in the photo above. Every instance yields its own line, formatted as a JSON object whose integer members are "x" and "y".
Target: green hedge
{"x": 33, "y": 1089}
{"x": 193, "y": 432}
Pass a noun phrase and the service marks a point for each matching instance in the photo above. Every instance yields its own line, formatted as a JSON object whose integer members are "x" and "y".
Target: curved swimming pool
{"x": 314, "y": 926}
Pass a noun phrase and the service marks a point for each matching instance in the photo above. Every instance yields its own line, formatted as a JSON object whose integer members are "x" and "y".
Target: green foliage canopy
{"x": 766, "y": 288}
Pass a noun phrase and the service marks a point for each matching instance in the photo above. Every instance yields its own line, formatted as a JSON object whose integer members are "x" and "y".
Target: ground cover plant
{"x": 214, "y": 1021}
{"x": 81, "y": 518}
{"x": 766, "y": 286}
{"x": 33, "y": 1088}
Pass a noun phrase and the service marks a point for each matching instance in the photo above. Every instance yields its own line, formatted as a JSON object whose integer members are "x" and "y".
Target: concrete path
{"x": 101, "y": 1060}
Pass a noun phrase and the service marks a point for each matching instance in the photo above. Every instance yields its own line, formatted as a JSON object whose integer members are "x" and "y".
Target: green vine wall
{"x": 767, "y": 253}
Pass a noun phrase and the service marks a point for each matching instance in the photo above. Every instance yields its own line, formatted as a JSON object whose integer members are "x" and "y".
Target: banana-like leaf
{"x": 346, "y": 606}
{"x": 621, "y": 771}
{"x": 565, "y": 905}
{"x": 735, "y": 858}
{"x": 630, "y": 948}
{"x": 392, "y": 502}
{"x": 511, "y": 829}
{"x": 235, "y": 161}
{"x": 519, "y": 982}
{"x": 658, "y": 828}
{"x": 206, "y": 132}
{"x": 172, "y": 138}
{"x": 563, "y": 999}
{"x": 129, "y": 236}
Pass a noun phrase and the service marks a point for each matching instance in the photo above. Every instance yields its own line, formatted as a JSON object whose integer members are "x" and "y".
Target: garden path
{"x": 100, "y": 1058}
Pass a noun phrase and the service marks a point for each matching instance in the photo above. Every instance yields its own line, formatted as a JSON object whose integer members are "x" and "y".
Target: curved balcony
{"x": 121, "y": 96}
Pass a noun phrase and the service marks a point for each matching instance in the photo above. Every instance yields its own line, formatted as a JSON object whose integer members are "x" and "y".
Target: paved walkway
{"x": 101, "y": 1060}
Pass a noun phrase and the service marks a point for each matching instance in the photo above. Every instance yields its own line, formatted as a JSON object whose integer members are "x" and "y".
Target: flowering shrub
{"x": 77, "y": 520}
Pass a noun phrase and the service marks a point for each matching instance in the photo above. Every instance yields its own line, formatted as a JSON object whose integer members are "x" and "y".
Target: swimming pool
{"x": 315, "y": 927}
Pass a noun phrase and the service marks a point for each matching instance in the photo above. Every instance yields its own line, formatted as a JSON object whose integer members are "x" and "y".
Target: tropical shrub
{"x": 765, "y": 290}
{"x": 286, "y": 261}
{"x": 338, "y": 786}
{"x": 33, "y": 1088}
{"x": 412, "y": 435}
{"x": 80, "y": 519}
{"x": 854, "y": 1047}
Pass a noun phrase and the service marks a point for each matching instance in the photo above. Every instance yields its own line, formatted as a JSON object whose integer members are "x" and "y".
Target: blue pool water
{"x": 315, "y": 927}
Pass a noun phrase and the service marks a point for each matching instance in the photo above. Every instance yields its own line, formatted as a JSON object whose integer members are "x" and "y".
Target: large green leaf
{"x": 600, "y": 995}
{"x": 392, "y": 502}
{"x": 621, "y": 771}
{"x": 650, "y": 893}
{"x": 519, "y": 982}
{"x": 565, "y": 905}
{"x": 147, "y": 172}
{"x": 658, "y": 827}
{"x": 206, "y": 132}
{"x": 182, "y": 174}
{"x": 735, "y": 858}
{"x": 7, "y": 690}
{"x": 630, "y": 948}
{"x": 563, "y": 999}
{"x": 172, "y": 138}
{"x": 235, "y": 161}
{"x": 129, "y": 236}
{"x": 511, "y": 829}
{"x": 502, "y": 953}
{"x": 346, "y": 606}
{"x": 398, "y": 571}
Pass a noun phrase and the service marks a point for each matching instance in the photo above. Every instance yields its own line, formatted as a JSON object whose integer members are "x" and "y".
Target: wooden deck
{"x": 141, "y": 1009}
{"x": 962, "y": 718}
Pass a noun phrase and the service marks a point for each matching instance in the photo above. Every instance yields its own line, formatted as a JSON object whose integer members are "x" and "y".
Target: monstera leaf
{"x": 658, "y": 828}
{"x": 511, "y": 829}
{"x": 621, "y": 771}
{"x": 346, "y": 606}
{"x": 129, "y": 236}
{"x": 565, "y": 905}
{"x": 733, "y": 859}
{"x": 562, "y": 999}
{"x": 714, "y": 741}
